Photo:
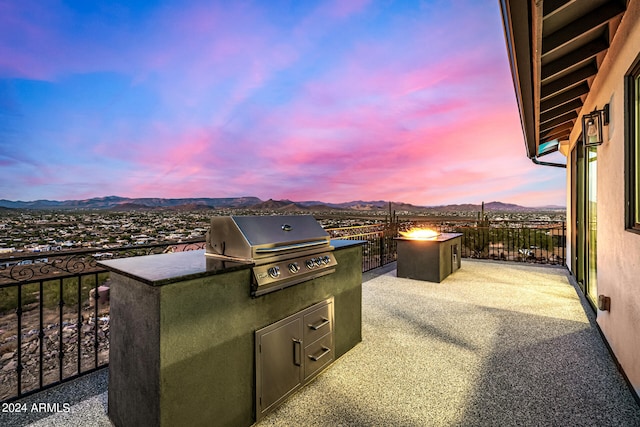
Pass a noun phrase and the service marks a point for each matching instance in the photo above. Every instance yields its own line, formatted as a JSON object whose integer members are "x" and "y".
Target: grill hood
{"x": 255, "y": 238}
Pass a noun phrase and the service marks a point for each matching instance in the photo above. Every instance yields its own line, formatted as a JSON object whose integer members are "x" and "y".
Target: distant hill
{"x": 124, "y": 207}
{"x": 284, "y": 205}
{"x": 499, "y": 206}
{"x": 188, "y": 207}
{"x": 115, "y": 203}
{"x": 493, "y": 207}
{"x": 124, "y": 203}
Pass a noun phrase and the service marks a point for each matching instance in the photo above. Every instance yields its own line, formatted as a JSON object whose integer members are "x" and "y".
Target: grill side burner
{"x": 286, "y": 250}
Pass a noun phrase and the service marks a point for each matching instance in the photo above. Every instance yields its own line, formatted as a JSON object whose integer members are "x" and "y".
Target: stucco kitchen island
{"x": 182, "y": 348}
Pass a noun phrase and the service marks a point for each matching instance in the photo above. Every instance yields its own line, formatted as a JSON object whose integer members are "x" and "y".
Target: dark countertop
{"x": 162, "y": 269}
{"x": 342, "y": 244}
{"x": 157, "y": 270}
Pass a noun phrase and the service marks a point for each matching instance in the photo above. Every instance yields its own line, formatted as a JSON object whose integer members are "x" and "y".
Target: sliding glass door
{"x": 586, "y": 220}
{"x": 591, "y": 224}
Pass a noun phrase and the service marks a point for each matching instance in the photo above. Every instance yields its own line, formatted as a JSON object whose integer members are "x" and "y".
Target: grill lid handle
{"x": 290, "y": 247}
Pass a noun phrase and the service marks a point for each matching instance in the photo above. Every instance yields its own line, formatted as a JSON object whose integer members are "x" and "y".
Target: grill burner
{"x": 286, "y": 250}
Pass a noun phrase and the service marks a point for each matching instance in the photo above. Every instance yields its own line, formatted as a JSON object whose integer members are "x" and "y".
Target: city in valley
{"x": 26, "y": 231}
{"x": 49, "y": 253}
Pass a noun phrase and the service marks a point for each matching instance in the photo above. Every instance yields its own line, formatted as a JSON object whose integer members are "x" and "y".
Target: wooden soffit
{"x": 555, "y": 50}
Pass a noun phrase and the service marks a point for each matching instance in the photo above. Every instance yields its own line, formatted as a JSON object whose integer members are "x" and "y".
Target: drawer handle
{"x": 297, "y": 352}
{"x": 325, "y": 351}
{"x": 319, "y": 325}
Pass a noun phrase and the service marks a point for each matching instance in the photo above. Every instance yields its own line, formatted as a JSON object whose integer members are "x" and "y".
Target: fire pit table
{"x": 431, "y": 258}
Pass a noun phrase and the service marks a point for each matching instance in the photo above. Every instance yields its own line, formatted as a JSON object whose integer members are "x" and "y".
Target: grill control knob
{"x": 294, "y": 267}
{"x": 310, "y": 264}
{"x": 326, "y": 259}
{"x": 274, "y": 272}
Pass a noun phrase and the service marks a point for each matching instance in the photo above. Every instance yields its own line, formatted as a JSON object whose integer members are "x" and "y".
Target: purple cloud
{"x": 336, "y": 100}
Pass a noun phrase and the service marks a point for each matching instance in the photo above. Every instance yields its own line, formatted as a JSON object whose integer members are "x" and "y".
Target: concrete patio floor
{"x": 495, "y": 344}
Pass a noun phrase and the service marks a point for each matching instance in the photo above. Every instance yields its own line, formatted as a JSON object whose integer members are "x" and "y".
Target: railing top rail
{"x": 72, "y": 252}
{"x": 475, "y": 220}
{"x": 523, "y": 226}
{"x": 356, "y": 227}
{"x": 352, "y": 236}
{"x": 58, "y": 265}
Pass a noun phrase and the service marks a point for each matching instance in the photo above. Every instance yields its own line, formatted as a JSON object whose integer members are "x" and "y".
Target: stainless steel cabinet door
{"x": 279, "y": 368}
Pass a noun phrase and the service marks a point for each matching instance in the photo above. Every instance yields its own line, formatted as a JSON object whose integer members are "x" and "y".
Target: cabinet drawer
{"x": 317, "y": 355}
{"x": 317, "y": 323}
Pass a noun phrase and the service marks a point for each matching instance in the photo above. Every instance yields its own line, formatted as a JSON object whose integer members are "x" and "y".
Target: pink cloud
{"x": 321, "y": 107}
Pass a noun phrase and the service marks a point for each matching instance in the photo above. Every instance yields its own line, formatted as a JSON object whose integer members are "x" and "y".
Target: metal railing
{"x": 521, "y": 241}
{"x": 54, "y": 316}
{"x": 380, "y": 246}
{"x": 54, "y": 308}
{"x": 542, "y": 242}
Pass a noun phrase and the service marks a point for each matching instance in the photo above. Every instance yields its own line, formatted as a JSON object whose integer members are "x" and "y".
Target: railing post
{"x": 19, "y": 349}
{"x": 79, "y": 325}
{"x": 41, "y": 335}
{"x": 96, "y": 303}
{"x": 60, "y": 330}
{"x": 564, "y": 243}
{"x": 382, "y": 249}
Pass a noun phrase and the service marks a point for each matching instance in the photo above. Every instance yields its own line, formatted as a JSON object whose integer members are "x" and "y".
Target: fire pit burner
{"x": 420, "y": 234}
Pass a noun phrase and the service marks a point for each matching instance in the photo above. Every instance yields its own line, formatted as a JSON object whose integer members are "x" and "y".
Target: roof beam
{"x": 577, "y": 56}
{"x": 565, "y": 96}
{"x": 550, "y": 6}
{"x": 560, "y": 137}
{"x": 569, "y": 80}
{"x": 578, "y": 27}
{"x": 564, "y": 108}
{"x": 558, "y": 121}
{"x": 556, "y": 132}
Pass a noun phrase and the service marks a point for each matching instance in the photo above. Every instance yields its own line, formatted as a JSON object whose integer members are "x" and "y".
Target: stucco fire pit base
{"x": 431, "y": 260}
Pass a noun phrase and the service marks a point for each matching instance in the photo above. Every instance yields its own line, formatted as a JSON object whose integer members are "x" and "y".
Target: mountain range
{"x": 116, "y": 203}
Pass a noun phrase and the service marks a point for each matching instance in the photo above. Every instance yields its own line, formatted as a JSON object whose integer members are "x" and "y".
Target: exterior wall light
{"x": 592, "y": 126}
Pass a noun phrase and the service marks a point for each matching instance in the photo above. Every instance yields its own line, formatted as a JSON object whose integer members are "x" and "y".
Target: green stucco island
{"x": 182, "y": 352}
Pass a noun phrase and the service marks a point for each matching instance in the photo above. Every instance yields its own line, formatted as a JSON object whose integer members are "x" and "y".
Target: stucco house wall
{"x": 618, "y": 256}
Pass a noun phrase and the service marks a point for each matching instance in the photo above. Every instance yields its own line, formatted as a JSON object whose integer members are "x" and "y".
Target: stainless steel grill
{"x": 286, "y": 250}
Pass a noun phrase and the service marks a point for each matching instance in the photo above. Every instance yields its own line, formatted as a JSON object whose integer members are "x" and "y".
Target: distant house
{"x": 576, "y": 71}
{"x": 40, "y": 248}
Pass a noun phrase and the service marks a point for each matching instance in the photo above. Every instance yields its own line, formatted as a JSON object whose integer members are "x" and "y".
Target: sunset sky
{"x": 409, "y": 101}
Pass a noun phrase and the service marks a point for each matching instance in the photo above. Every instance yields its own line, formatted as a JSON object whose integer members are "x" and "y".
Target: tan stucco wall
{"x": 618, "y": 256}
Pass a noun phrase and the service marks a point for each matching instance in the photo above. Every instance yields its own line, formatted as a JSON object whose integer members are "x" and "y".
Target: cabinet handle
{"x": 319, "y": 325}
{"x": 325, "y": 351}
{"x": 297, "y": 352}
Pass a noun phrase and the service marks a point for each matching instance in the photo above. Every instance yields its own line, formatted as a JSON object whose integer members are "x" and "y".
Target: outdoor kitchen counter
{"x": 182, "y": 333}
{"x": 163, "y": 269}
